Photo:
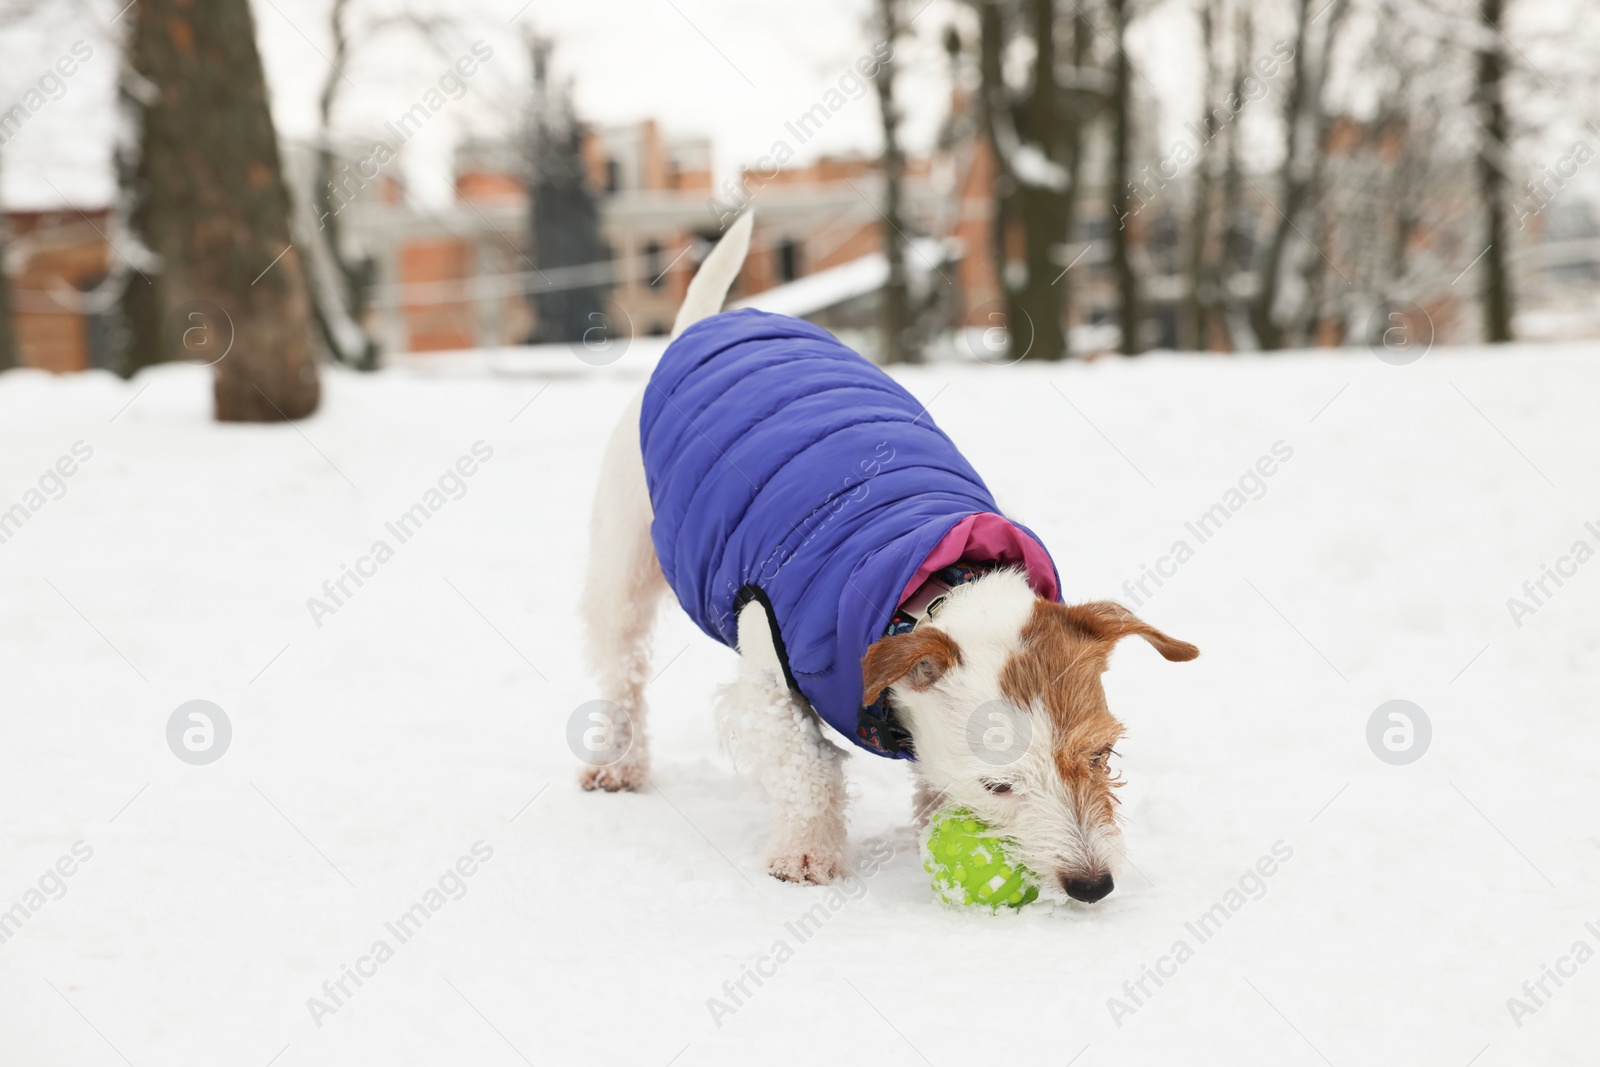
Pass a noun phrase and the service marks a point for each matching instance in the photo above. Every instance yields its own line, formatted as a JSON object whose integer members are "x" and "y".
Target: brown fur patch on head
{"x": 1064, "y": 651}
{"x": 920, "y": 657}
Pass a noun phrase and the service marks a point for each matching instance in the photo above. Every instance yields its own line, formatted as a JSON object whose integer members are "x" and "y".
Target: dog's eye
{"x": 999, "y": 789}
{"x": 1098, "y": 760}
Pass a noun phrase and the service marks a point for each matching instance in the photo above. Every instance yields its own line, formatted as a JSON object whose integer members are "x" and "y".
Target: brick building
{"x": 459, "y": 276}
{"x": 456, "y": 277}
{"x": 55, "y": 260}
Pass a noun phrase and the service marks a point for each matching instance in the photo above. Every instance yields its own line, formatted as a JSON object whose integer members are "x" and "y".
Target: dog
{"x": 804, "y": 510}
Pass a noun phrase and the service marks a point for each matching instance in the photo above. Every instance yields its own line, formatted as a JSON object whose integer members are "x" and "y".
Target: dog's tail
{"x": 711, "y": 283}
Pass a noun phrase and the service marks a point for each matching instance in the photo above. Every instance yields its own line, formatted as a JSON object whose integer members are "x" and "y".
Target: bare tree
{"x": 342, "y": 274}
{"x": 8, "y": 342}
{"x": 994, "y": 103}
{"x": 1294, "y": 180}
{"x": 1029, "y": 136}
{"x": 1205, "y": 282}
{"x": 1085, "y": 95}
{"x": 1120, "y": 181}
{"x": 1043, "y": 197}
{"x": 1280, "y": 314}
{"x": 340, "y": 308}
{"x": 564, "y": 212}
{"x": 1493, "y": 153}
{"x": 1400, "y": 184}
{"x": 215, "y": 209}
{"x": 898, "y": 345}
{"x": 1510, "y": 103}
{"x": 133, "y": 282}
{"x": 1237, "y": 234}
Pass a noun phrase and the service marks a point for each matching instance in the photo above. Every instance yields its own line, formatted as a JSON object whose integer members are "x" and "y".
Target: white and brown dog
{"x": 938, "y": 667}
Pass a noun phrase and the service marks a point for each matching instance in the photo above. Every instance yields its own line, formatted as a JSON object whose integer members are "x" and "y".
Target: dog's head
{"x": 1000, "y": 690}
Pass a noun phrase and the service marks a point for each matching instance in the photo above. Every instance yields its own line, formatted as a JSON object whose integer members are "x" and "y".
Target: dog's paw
{"x": 614, "y": 777}
{"x": 807, "y": 866}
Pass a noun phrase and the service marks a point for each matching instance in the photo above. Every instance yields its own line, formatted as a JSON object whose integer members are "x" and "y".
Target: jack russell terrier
{"x": 805, "y": 510}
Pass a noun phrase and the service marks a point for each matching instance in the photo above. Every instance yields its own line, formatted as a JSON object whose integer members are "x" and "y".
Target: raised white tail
{"x": 711, "y": 283}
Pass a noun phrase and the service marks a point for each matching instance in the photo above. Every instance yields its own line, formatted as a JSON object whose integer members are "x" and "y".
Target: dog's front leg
{"x": 771, "y": 730}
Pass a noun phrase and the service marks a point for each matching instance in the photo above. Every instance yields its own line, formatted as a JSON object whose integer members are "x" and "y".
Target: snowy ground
{"x": 428, "y": 713}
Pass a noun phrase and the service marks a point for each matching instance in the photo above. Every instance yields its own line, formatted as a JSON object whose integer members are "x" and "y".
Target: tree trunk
{"x": 564, "y": 213}
{"x": 340, "y": 306}
{"x": 1121, "y": 179}
{"x": 1079, "y": 114}
{"x": 9, "y": 357}
{"x": 992, "y": 97}
{"x": 1495, "y": 138}
{"x": 135, "y": 275}
{"x": 1264, "y": 312}
{"x": 1031, "y": 182}
{"x": 1043, "y": 208}
{"x": 1305, "y": 128}
{"x": 896, "y": 311}
{"x": 216, "y": 210}
{"x": 1233, "y": 257}
{"x": 1193, "y": 325}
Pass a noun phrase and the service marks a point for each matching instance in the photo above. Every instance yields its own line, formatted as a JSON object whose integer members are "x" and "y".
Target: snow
{"x": 1028, "y": 162}
{"x": 832, "y": 287}
{"x": 1035, "y": 168}
{"x": 1372, "y": 914}
{"x": 60, "y": 154}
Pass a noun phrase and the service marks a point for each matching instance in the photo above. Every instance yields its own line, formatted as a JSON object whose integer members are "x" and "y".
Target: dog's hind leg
{"x": 770, "y": 729}
{"x": 622, "y": 590}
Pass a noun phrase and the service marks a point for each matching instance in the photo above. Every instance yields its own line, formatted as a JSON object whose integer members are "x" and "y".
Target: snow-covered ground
{"x": 422, "y": 724}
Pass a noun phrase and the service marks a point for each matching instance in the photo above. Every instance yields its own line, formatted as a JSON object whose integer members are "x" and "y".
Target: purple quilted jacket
{"x": 785, "y": 468}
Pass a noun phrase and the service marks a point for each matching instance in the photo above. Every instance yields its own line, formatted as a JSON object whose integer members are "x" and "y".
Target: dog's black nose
{"x": 1088, "y": 889}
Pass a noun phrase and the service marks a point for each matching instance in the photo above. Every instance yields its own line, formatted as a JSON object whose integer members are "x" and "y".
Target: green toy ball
{"x": 969, "y": 865}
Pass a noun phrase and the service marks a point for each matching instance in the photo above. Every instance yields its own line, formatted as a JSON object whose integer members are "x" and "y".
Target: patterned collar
{"x": 877, "y": 726}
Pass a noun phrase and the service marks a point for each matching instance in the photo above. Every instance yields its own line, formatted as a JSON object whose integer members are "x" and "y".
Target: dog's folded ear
{"x": 1110, "y": 621}
{"x": 920, "y": 658}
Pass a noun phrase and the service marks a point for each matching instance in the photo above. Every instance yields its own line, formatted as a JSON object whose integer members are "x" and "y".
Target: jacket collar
{"x": 878, "y": 725}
